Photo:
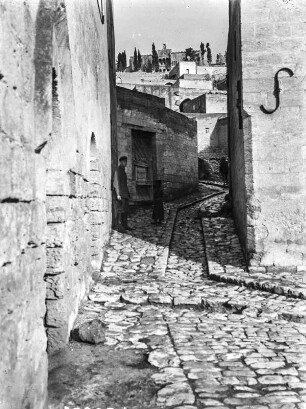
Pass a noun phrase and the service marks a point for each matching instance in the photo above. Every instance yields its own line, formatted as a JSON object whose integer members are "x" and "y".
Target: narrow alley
{"x": 110, "y": 109}
{"x": 175, "y": 332}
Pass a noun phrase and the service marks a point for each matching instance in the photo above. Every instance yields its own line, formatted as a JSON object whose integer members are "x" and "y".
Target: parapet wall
{"x": 208, "y": 103}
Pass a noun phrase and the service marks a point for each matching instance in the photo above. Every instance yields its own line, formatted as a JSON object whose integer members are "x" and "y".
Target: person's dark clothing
{"x": 158, "y": 207}
{"x": 121, "y": 189}
{"x": 122, "y": 182}
{"x": 123, "y": 205}
{"x": 223, "y": 169}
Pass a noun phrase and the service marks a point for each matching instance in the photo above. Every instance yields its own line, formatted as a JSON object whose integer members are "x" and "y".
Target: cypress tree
{"x": 208, "y": 53}
{"x": 124, "y": 60}
{"x": 149, "y": 66}
{"x": 135, "y": 61}
{"x": 139, "y": 60}
{"x": 155, "y": 63}
{"x": 119, "y": 62}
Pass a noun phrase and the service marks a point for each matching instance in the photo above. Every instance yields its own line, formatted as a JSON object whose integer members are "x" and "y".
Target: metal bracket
{"x": 276, "y": 91}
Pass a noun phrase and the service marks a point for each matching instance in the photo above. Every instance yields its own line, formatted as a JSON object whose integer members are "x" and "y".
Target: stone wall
{"x": 141, "y": 77}
{"x": 216, "y": 102}
{"x": 211, "y": 131}
{"x": 161, "y": 91}
{"x": 274, "y": 145}
{"x": 194, "y": 82}
{"x": 196, "y": 105}
{"x": 208, "y": 103}
{"x": 180, "y": 95}
{"x": 216, "y": 71}
{"x": 238, "y": 146}
{"x": 174, "y": 140}
{"x": 55, "y": 151}
{"x": 174, "y": 95}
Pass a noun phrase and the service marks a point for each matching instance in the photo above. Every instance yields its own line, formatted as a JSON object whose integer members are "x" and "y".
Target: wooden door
{"x": 143, "y": 164}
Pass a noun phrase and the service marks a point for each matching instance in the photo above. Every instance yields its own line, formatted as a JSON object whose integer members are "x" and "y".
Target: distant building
{"x": 183, "y": 67}
{"x": 146, "y": 62}
{"x": 176, "y": 57}
{"x": 164, "y": 59}
{"x": 190, "y": 67}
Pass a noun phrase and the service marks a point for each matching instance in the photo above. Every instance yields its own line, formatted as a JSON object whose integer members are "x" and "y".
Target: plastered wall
{"x": 55, "y": 150}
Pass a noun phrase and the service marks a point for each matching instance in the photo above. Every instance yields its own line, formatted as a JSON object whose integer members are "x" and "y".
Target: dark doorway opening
{"x": 144, "y": 164}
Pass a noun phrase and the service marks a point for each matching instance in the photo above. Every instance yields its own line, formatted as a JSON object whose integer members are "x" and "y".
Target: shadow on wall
{"x": 210, "y": 156}
{"x": 219, "y": 135}
{"x": 181, "y": 107}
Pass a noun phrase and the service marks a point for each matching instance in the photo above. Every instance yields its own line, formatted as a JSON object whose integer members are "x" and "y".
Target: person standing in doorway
{"x": 122, "y": 193}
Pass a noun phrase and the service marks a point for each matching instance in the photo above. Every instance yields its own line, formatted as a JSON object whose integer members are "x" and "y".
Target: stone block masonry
{"x": 267, "y": 151}
{"x": 175, "y": 95}
{"x": 57, "y": 86}
{"x": 212, "y": 133}
{"x": 174, "y": 143}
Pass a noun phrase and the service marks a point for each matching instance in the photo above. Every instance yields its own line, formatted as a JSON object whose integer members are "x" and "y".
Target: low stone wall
{"x": 161, "y": 91}
{"x": 216, "y": 102}
{"x": 174, "y": 135}
{"x": 195, "y": 83}
{"x": 208, "y": 103}
{"x": 174, "y": 95}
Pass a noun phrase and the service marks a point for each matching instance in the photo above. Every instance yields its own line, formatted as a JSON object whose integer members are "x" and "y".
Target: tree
{"x": 155, "y": 63}
{"x": 208, "y": 53}
{"x": 139, "y": 61}
{"x": 120, "y": 62}
{"x": 124, "y": 60}
{"x": 202, "y": 48}
{"x": 190, "y": 54}
{"x": 149, "y": 66}
{"x": 135, "y": 61}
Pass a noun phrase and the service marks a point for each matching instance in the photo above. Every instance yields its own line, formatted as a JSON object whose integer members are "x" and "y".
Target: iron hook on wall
{"x": 276, "y": 91}
{"x": 100, "y": 7}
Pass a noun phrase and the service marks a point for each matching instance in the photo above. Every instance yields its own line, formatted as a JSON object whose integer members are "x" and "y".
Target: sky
{"x": 178, "y": 23}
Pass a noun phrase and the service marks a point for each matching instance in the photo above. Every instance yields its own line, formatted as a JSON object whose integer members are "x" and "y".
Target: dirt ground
{"x": 102, "y": 378}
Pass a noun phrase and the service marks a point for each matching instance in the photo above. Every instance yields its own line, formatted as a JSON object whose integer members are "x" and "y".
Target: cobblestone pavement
{"x": 212, "y": 344}
{"x": 218, "y": 231}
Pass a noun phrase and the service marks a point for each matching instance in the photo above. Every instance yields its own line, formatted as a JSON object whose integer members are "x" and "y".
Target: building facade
{"x": 164, "y": 59}
{"x": 57, "y": 142}
{"x": 267, "y": 110}
{"x": 176, "y": 57}
{"x": 160, "y": 145}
